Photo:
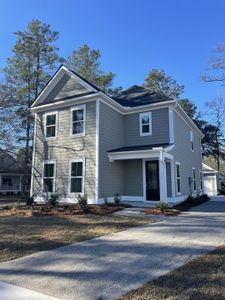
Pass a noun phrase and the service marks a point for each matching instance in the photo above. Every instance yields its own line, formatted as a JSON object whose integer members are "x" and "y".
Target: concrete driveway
{"x": 111, "y": 265}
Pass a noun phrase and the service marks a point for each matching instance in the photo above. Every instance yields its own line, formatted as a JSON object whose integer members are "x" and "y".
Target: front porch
{"x": 148, "y": 175}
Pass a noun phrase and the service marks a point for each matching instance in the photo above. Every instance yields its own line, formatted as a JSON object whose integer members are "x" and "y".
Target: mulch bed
{"x": 191, "y": 202}
{"x": 157, "y": 211}
{"x": 72, "y": 209}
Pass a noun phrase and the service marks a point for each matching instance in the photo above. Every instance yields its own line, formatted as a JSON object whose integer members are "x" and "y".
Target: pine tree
{"x": 27, "y": 72}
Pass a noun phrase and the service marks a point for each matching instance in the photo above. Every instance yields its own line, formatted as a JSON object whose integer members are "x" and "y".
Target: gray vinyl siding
{"x": 64, "y": 148}
{"x": 133, "y": 178}
{"x": 160, "y": 129}
{"x": 66, "y": 87}
{"x": 183, "y": 154}
{"x": 111, "y": 136}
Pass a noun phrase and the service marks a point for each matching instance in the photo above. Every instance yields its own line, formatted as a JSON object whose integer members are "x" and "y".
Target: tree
{"x": 27, "y": 72}
{"x": 216, "y": 110}
{"x": 86, "y": 62}
{"x": 217, "y": 66}
{"x": 157, "y": 81}
{"x": 190, "y": 108}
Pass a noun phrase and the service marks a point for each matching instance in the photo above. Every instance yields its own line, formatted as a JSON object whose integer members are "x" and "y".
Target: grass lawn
{"x": 23, "y": 235}
{"x": 200, "y": 279}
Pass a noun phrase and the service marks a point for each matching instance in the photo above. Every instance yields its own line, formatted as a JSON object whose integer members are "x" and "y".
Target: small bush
{"x": 29, "y": 200}
{"x": 162, "y": 205}
{"x": 117, "y": 199}
{"x": 54, "y": 199}
{"x": 190, "y": 199}
{"x": 106, "y": 202}
{"x": 82, "y": 201}
{"x": 204, "y": 197}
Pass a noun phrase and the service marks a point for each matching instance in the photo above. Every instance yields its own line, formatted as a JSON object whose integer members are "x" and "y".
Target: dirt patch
{"x": 200, "y": 279}
{"x": 157, "y": 211}
{"x": 62, "y": 210}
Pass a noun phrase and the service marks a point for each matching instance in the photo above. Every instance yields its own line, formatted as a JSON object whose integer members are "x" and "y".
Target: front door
{"x": 152, "y": 180}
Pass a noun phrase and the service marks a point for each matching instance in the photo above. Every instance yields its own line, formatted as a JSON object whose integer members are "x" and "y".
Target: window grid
{"x": 145, "y": 124}
{"x": 50, "y": 125}
{"x": 49, "y": 177}
{"x": 178, "y": 178}
{"x": 76, "y": 180}
{"x": 78, "y": 121}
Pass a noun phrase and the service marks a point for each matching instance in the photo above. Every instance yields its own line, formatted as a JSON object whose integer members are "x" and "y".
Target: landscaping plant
{"x": 162, "y": 205}
{"x": 82, "y": 201}
{"x": 117, "y": 199}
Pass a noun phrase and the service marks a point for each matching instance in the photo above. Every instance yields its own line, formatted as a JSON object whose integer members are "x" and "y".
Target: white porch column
{"x": 162, "y": 177}
{"x": 172, "y": 178}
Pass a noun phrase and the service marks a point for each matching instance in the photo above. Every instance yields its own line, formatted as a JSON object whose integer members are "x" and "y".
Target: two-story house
{"x": 138, "y": 144}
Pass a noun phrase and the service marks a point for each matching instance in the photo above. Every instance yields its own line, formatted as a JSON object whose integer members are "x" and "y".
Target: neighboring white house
{"x": 211, "y": 180}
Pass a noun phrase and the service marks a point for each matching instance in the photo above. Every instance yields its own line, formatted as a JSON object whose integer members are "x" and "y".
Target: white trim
{"x": 149, "y": 115}
{"x": 33, "y": 156}
{"x": 178, "y": 178}
{"x": 194, "y": 180}
{"x": 74, "y": 160}
{"x": 173, "y": 187}
{"x": 97, "y": 151}
{"x": 200, "y": 181}
{"x": 56, "y": 125}
{"x": 162, "y": 177}
{"x": 134, "y": 154}
{"x": 144, "y": 178}
{"x": 171, "y": 125}
{"x": 54, "y": 177}
{"x": 84, "y": 120}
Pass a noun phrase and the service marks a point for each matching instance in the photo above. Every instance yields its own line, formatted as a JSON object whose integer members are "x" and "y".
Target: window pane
{"x": 77, "y": 169}
{"x": 178, "y": 185}
{"x": 78, "y": 115}
{"x": 50, "y": 131}
{"x": 51, "y": 120}
{"x": 48, "y": 185}
{"x": 49, "y": 170}
{"x": 78, "y": 127}
{"x": 145, "y": 120}
{"x": 145, "y": 128}
{"x": 76, "y": 185}
{"x": 178, "y": 171}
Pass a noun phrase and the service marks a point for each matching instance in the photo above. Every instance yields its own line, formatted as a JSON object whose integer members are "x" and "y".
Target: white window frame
{"x": 45, "y": 162}
{"x": 56, "y": 125}
{"x": 71, "y": 121}
{"x": 194, "y": 180}
{"x": 149, "y": 114}
{"x": 200, "y": 181}
{"x": 192, "y": 140}
{"x": 178, "y": 178}
{"x": 83, "y": 174}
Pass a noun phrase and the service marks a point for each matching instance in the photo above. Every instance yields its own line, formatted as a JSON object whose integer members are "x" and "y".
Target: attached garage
{"x": 211, "y": 180}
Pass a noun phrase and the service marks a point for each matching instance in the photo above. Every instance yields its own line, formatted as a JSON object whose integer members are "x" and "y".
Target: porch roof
{"x": 138, "y": 148}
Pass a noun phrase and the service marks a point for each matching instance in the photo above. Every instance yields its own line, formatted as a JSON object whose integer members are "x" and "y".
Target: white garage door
{"x": 209, "y": 184}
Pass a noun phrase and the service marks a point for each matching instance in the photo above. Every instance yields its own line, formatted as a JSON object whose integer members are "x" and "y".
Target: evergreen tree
{"x": 86, "y": 62}
{"x": 27, "y": 72}
{"x": 157, "y": 81}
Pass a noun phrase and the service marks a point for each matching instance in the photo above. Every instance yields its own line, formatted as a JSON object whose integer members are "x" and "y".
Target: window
{"x": 78, "y": 121}
{"x": 76, "y": 182}
{"x": 50, "y": 125}
{"x": 200, "y": 180}
{"x": 178, "y": 178}
{"x": 49, "y": 177}
{"x": 192, "y": 140}
{"x": 194, "y": 180}
{"x": 146, "y": 124}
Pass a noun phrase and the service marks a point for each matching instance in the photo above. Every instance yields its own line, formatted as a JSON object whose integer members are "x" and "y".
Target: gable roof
{"x": 138, "y": 96}
{"x": 8, "y": 164}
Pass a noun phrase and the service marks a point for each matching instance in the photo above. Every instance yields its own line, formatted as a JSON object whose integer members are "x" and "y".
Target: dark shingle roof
{"x": 8, "y": 163}
{"x": 136, "y": 148}
{"x": 139, "y": 95}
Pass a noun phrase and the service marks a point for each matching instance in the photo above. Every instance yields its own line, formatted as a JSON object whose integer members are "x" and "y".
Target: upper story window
{"x": 49, "y": 177}
{"x": 51, "y": 125}
{"x": 76, "y": 180}
{"x": 78, "y": 119}
{"x": 192, "y": 140}
{"x": 146, "y": 123}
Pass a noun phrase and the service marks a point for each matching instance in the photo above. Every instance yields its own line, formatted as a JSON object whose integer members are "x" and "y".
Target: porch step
{"x": 141, "y": 204}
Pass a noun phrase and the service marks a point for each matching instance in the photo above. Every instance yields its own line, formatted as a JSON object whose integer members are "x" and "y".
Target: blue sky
{"x": 133, "y": 35}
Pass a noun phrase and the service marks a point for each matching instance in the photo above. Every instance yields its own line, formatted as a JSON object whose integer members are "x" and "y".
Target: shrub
{"x": 117, "y": 199}
{"x": 82, "y": 201}
{"x": 190, "y": 199}
{"x": 29, "y": 200}
{"x": 204, "y": 197}
{"x": 162, "y": 205}
{"x": 53, "y": 199}
{"x": 106, "y": 202}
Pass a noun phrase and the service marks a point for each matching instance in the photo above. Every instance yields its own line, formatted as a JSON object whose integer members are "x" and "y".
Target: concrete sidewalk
{"x": 111, "y": 265}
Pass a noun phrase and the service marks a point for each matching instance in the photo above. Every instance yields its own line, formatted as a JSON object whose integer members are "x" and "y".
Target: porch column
{"x": 162, "y": 177}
